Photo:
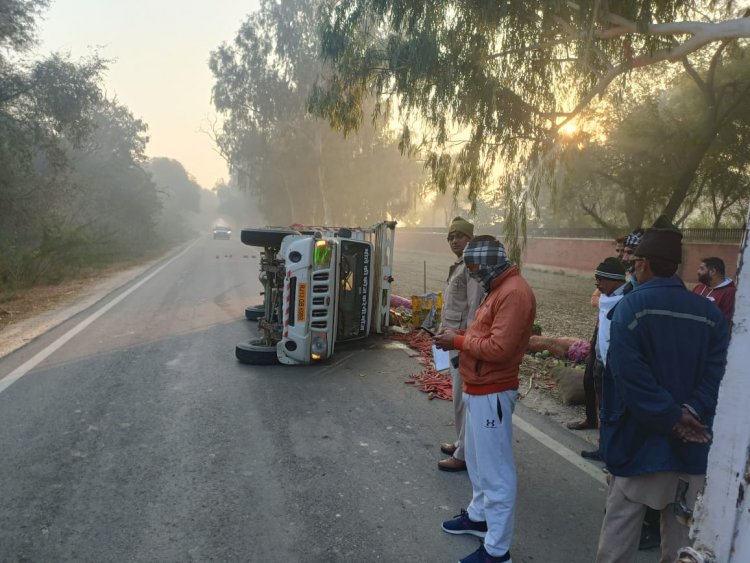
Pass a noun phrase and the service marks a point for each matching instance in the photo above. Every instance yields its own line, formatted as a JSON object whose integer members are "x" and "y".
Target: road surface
{"x": 130, "y": 433}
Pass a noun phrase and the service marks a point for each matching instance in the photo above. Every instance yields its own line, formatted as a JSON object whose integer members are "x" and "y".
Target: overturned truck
{"x": 322, "y": 285}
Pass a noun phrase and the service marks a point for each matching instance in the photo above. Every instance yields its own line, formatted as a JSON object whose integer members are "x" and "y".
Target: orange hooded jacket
{"x": 492, "y": 348}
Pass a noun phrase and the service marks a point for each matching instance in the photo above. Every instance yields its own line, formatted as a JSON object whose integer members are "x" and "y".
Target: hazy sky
{"x": 159, "y": 51}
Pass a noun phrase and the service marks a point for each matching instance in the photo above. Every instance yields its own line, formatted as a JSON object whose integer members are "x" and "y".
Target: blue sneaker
{"x": 481, "y": 556}
{"x": 462, "y": 524}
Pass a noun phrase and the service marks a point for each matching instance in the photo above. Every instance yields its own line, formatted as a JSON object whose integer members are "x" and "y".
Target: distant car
{"x": 222, "y": 232}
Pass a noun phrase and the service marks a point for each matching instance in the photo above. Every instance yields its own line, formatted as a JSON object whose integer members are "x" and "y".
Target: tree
{"x": 494, "y": 82}
{"x": 299, "y": 170}
{"x": 73, "y": 191}
{"x": 180, "y": 197}
{"x": 115, "y": 198}
{"x": 44, "y": 108}
{"x": 665, "y": 151}
{"x": 18, "y": 23}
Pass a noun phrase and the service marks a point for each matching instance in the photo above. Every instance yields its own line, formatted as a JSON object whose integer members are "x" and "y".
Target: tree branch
{"x": 595, "y": 216}
{"x": 707, "y": 32}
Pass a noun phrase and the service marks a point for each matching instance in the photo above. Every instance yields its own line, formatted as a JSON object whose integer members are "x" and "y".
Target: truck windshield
{"x": 354, "y": 290}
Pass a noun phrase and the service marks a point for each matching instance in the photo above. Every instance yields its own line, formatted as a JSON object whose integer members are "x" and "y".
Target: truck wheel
{"x": 256, "y": 353}
{"x": 267, "y": 238}
{"x": 255, "y": 312}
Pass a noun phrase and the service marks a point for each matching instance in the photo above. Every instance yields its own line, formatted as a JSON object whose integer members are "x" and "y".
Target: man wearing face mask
{"x": 628, "y": 252}
{"x": 660, "y": 387}
{"x": 460, "y": 301}
{"x": 492, "y": 349}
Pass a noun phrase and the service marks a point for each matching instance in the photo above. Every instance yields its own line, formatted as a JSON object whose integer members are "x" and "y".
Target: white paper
{"x": 441, "y": 358}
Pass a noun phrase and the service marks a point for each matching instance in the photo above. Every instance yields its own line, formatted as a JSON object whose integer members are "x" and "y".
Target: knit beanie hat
{"x": 461, "y": 225}
{"x": 611, "y": 269}
{"x": 663, "y": 241}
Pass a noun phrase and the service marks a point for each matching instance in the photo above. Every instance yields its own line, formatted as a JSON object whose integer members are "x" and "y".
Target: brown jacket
{"x": 493, "y": 346}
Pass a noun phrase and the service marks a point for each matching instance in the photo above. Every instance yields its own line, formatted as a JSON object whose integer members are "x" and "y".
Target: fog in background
{"x": 128, "y": 128}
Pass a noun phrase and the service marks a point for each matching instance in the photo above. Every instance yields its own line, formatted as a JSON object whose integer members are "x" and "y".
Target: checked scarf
{"x": 633, "y": 239}
{"x": 491, "y": 257}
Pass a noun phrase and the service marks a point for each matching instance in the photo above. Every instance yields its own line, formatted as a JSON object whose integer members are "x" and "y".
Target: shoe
{"x": 462, "y": 524}
{"x": 452, "y": 464}
{"x": 650, "y": 539}
{"x": 581, "y": 425}
{"x": 595, "y": 455}
{"x": 448, "y": 449}
{"x": 481, "y": 556}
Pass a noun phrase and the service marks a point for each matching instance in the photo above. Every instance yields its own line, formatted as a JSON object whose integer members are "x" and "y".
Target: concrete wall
{"x": 581, "y": 255}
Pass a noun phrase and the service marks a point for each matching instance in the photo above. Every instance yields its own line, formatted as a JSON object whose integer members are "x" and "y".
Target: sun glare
{"x": 569, "y": 129}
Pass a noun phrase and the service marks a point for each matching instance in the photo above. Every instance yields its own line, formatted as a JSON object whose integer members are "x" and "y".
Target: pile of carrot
{"x": 436, "y": 384}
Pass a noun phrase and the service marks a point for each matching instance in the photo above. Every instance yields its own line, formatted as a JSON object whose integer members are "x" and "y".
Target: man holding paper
{"x": 492, "y": 349}
{"x": 460, "y": 301}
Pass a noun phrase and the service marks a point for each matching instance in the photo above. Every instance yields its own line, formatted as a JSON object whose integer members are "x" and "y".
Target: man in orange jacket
{"x": 492, "y": 349}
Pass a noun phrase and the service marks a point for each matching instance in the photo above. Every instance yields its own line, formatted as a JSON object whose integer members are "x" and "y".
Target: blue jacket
{"x": 668, "y": 348}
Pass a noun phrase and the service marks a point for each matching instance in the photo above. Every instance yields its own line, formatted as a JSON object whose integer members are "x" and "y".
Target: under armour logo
{"x": 489, "y": 423}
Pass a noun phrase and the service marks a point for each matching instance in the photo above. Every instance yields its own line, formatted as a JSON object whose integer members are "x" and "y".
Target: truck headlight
{"x": 322, "y": 255}
{"x": 318, "y": 345}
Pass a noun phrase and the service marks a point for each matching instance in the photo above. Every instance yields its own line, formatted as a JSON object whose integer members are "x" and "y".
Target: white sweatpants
{"x": 488, "y": 448}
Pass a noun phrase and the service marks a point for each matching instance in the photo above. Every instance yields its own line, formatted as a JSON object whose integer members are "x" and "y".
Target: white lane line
{"x": 588, "y": 468}
{"x": 31, "y": 363}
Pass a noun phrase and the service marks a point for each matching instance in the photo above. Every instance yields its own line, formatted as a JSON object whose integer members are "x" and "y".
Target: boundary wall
{"x": 579, "y": 255}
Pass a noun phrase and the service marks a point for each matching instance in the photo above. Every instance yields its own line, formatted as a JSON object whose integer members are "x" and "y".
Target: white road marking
{"x": 31, "y": 363}
{"x": 590, "y": 469}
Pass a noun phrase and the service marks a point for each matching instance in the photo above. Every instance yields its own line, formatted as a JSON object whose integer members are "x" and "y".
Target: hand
{"x": 444, "y": 339}
{"x": 690, "y": 430}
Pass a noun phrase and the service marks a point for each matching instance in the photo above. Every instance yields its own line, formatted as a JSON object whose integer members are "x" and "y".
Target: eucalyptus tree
{"x": 674, "y": 150}
{"x": 299, "y": 169}
{"x": 492, "y": 83}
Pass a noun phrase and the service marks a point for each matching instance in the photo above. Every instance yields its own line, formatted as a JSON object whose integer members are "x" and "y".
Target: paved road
{"x": 130, "y": 433}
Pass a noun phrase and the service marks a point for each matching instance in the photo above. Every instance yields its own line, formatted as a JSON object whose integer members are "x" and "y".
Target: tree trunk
{"x": 689, "y": 168}
{"x": 634, "y": 210}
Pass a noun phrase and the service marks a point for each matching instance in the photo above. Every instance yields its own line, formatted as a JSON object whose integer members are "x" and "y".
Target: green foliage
{"x": 489, "y": 82}
{"x": 298, "y": 168}
{"x": 17, "y": 23}
{"x": 73, "y": 192}
{"x": 683, "y": 145}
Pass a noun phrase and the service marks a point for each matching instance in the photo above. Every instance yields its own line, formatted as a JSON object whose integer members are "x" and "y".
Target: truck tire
{"x": 255, "y": 312}
{"x": 256, "y": 353}
{"x": 267, "y": 238}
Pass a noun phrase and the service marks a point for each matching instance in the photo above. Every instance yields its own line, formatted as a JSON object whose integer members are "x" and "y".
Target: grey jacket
{"x": 461, "y": 298}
